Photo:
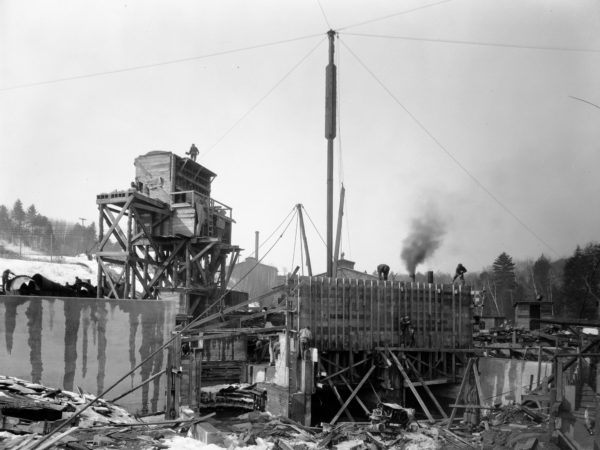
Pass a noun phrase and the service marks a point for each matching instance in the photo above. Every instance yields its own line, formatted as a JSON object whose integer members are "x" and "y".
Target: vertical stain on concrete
{"x": 133, "y": 326}
{"x": 158, "y": 359}
{"x": 10, "y": 321}
{"x": 72, "y": 311}
{"x": 152, "y": 338}
{"x": 51, "y": 313}
{"x": 85, "y": 324}
{"x": 102, "y": 319}
{"x": 34, "y": 328}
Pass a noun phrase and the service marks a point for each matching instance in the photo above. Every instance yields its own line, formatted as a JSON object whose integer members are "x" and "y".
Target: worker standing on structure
{"x": 193, "y": 152}
{"x": 305, "y": 337}
{"x": 382, "y": 271}
{"x": 405, "y": 326}
{"x": 460, "y": 273}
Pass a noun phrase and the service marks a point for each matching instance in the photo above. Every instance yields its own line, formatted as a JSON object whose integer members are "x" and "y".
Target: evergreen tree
{"x": 505, "y": 281}
{"x": 541, "y": 277}
{"x": 31, "y": 216}
{"x": 18, "y": 214}
{"x": 581, "y": 283}
{"x": 5, "y": 222}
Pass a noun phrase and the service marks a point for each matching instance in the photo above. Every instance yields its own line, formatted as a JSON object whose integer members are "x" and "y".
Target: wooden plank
{"x": 321, "y": 313}
{"x": 327, "y": 291}
{"x": 344, "y": 315}
{"x": 363, "y": 318}
{"x": 402, "y": 302}
{"x": 371, "y": 341}
{"x": 460, "y": 317}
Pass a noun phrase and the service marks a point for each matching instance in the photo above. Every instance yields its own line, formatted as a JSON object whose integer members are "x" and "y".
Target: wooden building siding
{"x": 359, "y": 315}
{"x": 163, "y": 173}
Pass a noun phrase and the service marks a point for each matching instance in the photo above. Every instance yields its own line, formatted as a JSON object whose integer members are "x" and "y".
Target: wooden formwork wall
{"x": 359, "y": 315}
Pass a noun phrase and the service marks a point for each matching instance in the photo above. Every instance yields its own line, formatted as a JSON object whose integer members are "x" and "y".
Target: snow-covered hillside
{"x": 62, "y": 269}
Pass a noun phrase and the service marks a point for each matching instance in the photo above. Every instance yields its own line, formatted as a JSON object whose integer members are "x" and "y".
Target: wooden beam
{"x": 166, "y": 263}
{"x": 115, "y": 222}
{"x": 478, "y": 384}
{"x": 142, "y": 281}
{"x": 146, "y": 381}
{"x": 463, "y": 383}
{"x": 360, "y": 402}
{"x": 142, "y": 225}
{"x": 342, "y": 370}
{"x": 424, "y": 384}
{"x": 117, "y": 232}
{"x": 347, "y": 402}
{"x": 412, "y": 387}
{"x": 337, "y": 394}
{"x": 109, "y": 278}
{"x": 203, "y": 251}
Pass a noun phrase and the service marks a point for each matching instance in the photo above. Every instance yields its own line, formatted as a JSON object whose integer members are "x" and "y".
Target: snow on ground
{"x": 60, "y": 269}
{"x": 15, "y": 248}
{"x": 61, "y": 272}
{"x": 188, "y": 443}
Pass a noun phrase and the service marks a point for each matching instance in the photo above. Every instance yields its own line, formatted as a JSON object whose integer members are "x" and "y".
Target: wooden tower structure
{"x": 165, "y": 235}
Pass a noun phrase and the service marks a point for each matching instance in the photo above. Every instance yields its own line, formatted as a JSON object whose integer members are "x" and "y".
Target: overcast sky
{"x": 472, "y": 113}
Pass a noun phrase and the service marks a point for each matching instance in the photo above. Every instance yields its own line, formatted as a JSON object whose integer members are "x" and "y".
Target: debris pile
{"x": 233, "y": 396}
{"x": 31, "y": 414}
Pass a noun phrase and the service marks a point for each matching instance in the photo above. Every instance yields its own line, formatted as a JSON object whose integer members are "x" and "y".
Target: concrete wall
{"x": 87, "y": 343}
{"x": 505, "y": 380}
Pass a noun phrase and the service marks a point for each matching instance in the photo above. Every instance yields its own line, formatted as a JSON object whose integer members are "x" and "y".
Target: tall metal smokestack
{"x": 256, "y": 245}
{"x": 430, "y": 277}
{"x": 413, "y": 277}
{"x": 330, "y": 126}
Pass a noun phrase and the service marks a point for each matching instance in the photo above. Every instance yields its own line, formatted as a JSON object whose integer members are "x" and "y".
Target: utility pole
{"x": 338, "y": 234}
{"x": 330, "y": 126}
{"x": 304, "y": 240}
{"x": 82, "y": 231}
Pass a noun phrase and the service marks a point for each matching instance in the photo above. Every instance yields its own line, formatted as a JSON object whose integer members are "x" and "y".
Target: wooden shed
{"x": 528, "y": 314}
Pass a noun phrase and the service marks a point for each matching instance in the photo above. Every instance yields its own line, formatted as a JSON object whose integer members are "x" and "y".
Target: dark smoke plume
{"x": 424, "y": 238}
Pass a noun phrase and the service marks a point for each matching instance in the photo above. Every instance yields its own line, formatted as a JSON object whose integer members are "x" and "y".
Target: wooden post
{"x": 100, "y": 280}
{"x": 478, "y": 382}
{"x": 463, "y": 383}
{"x": 173, "y": 379}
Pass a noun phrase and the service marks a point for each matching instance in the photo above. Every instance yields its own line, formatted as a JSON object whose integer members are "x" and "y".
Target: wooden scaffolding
{"x": 165, "y": 233}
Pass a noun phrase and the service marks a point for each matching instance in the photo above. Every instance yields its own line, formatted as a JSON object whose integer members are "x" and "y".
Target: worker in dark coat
{"x": 382, "y": 271}
{"x": 193, "y": 152}
{"x": 6, "y": 279}
{"x": 460, "y": 272}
